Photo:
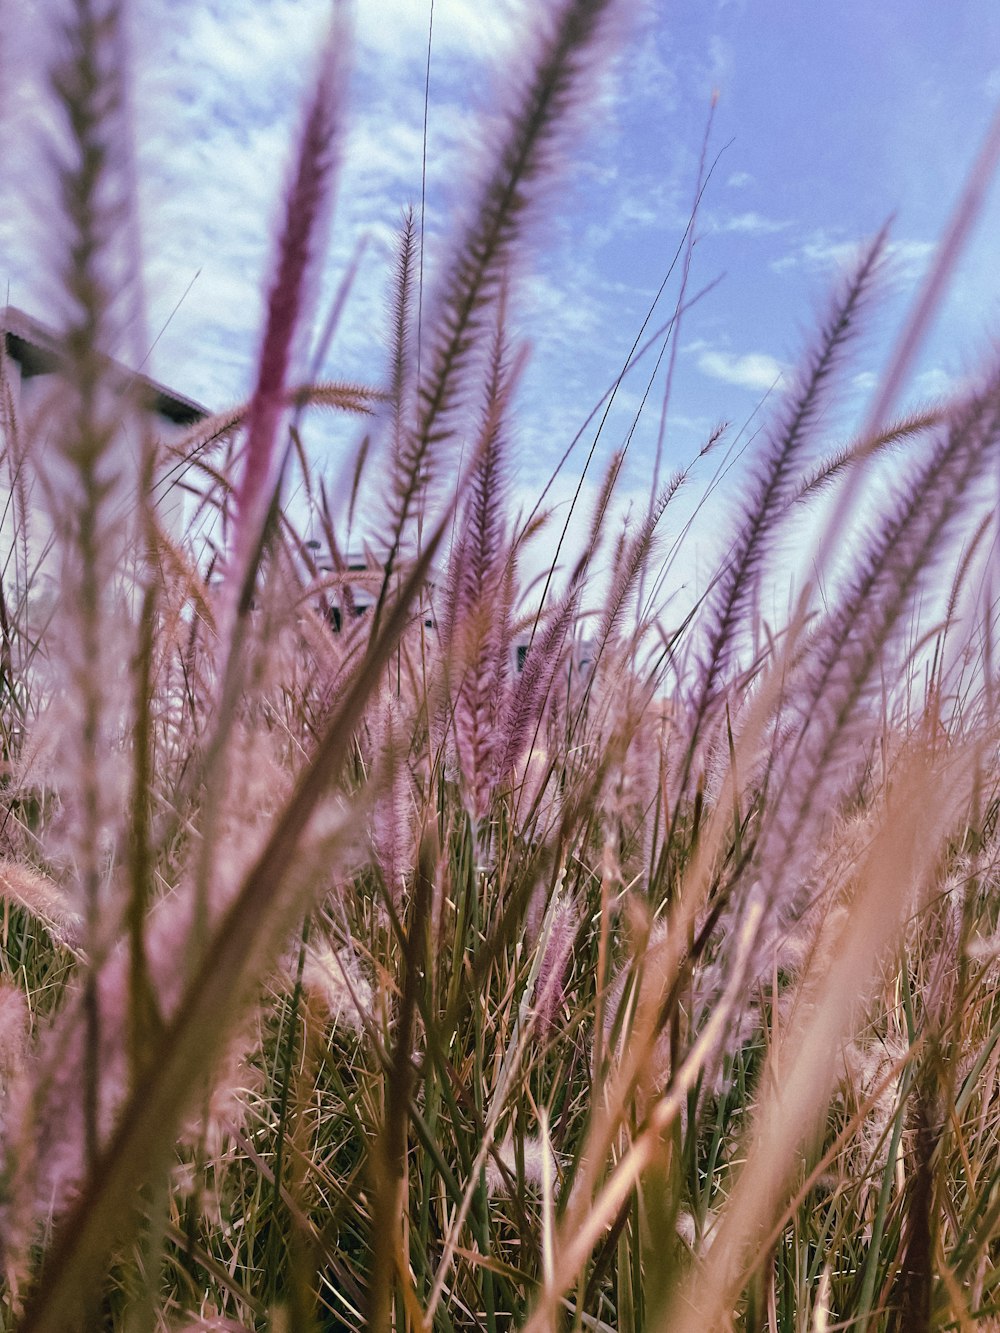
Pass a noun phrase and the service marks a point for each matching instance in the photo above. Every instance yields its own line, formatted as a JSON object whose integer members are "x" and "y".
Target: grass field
{"x": 508, "y": 954}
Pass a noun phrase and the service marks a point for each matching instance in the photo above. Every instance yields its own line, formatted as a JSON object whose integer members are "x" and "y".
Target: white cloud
{"x": 928, "y": 385}
{"x": 935, "y": 383}
{"x": 656, "y": 206}
{"x": 753, "y": 370}
{"x": 753, "y": 224}
{"x": 462, "y": 28}
{"x": 653, "y": 76}
{"x": 722, "y": 61}
{"x": 907, "y": 259}
{"x": 219, "y": 86}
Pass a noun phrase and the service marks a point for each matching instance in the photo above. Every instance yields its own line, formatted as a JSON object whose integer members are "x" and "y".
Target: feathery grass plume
{"x": 299, "y": 253}
{"x": 391, "y": 828}
{"x": 14, "y": 1029}
{"x": 334, "y": 396}
{"x": 629, "y": 565}
{"x": 636, "y": 734}
{"x": 910, "y": 1295}
{"x": 773, "y": 486}
{"x": 934, "y": 942}
{"x": 588, "y": 1217}
{"x": 537, "y": 1160}
{"x": 905, "y": 429}
{"x": 601, "y": 504}
{"x": 955, "y": 645}
{"x": 899, "y": 869}
{"x": 401, "y": 370}
{"x": 91, "y": 473}
{"x": 192, "y": 448}
{"x": 529, "y": 693}
{"x": 628, "y": 992}
{"x": 858, "y": 635}
{"x": 228, "y": 1099}
{"x": 517, "y": 172}
{"x": 478, "y": 633}
{"x": 242, "y": 946}
{"x": 874, "y": 1071}
{"x": 696, "y": 1235}
{"x": 388, "y": 1155}
{"x": 42, "y": 897}
{"x": 538, "y": 799}
{"x": 491, "y": 1088}
{"x": 19, "y": 565}
{"x": 549, "y": 992}
{"x": 45, "y": 1148}
{"x": 841, "y": 665}
{"x": 218, "y": 428}
{"x": 335, "y": 978}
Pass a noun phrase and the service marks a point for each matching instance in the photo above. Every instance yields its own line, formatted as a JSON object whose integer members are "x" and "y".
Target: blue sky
{"x": 829, "y": 118}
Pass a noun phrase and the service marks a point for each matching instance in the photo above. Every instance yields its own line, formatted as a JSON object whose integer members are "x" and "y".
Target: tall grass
{"x": 369, "y": 971}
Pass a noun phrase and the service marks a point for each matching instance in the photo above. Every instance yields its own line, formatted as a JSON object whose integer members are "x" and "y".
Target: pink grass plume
{"x": 299, "y": 249}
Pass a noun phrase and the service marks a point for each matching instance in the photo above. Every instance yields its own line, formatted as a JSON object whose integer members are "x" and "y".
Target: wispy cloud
{"x": 907, "y": 259}
{"x": 933, "y": 383}
{"x": 936, "y": 383}
{"x": 217, "y": 102}
{"x": 753, "y": 224}
{"x": 218, "y": 90}
{"x": 722, "y": 60}
{"x": 653, "y": 76}
{"x": 753, "y": 370}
